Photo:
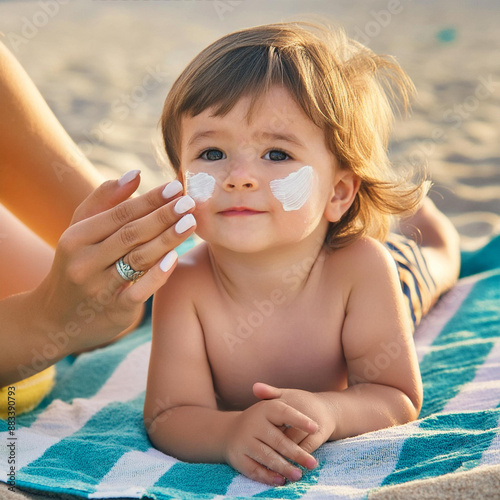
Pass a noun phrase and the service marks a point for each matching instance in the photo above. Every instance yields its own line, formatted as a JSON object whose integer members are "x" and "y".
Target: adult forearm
{"x": 43, "y": 175}
{"x": 368, "y": 407}
{"x": 191, "y": 433}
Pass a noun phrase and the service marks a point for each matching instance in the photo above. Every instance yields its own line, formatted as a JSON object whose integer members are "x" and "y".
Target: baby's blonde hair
{"x": 343, "y": 87}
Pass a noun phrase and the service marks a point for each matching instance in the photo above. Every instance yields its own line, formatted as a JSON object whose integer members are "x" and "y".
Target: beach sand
{"x": 105, "y": 66}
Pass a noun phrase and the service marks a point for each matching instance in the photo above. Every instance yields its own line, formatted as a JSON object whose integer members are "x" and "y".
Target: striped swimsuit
{"x": 418, "y": 286}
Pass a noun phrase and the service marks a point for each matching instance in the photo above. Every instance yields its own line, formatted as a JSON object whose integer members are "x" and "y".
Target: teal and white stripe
{"x": 88, "y": 439}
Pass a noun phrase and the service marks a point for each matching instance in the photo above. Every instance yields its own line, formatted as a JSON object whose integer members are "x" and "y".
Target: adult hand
{"x": 84, "y": 301}
{"x": 258, "y": 448}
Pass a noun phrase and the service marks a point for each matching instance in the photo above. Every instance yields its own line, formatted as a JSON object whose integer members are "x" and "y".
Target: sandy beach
{"x": 105, "y": 66}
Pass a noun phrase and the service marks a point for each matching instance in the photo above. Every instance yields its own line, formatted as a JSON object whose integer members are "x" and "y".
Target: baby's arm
{"x": 383, "y": 375}
{"x": 181, "y": 413}
{"x": 385, "y": 387}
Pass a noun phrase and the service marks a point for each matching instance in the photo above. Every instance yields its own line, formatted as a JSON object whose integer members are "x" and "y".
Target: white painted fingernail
{"x": 168, "y": 261}
{"x": 185, "y": 223}
{"x": 184, "y": 204}
{"x": 128, "y": 177}
{"x": 171, "y": 189}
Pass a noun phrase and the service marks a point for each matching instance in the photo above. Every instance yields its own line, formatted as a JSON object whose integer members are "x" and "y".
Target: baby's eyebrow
{"x": 268, "y": 136}
{"x": 286, "y": 137}
{"x": 200, "y": 135}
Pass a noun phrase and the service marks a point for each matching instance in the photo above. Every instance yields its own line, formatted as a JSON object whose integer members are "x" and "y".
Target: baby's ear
{"x": 345, "y": 189}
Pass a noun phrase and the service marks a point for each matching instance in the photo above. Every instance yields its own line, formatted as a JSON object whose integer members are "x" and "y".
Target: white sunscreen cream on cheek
{"x": 200, "y": 186}
{"x": 293, "y": 190}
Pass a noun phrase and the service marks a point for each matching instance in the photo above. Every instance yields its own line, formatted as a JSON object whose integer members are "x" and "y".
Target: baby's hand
{"x": 257, "y": 447}
{"x": 308, "y": 404}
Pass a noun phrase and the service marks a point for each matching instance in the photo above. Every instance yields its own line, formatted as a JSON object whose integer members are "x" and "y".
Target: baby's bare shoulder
{"x": 363, "y": 250}
{"x": 363, "y": 258}
{"x": 192, "y": 269}
{"x": 194, "y": 259}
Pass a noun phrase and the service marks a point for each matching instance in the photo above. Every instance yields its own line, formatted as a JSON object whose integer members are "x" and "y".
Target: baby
{"x": 291, "y": 324}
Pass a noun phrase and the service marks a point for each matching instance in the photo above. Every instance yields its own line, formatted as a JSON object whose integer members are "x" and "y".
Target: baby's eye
{"x": 212, "y": 155}
{"x": 276, "y": 155}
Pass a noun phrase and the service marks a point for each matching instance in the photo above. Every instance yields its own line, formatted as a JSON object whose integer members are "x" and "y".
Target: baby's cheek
{"x": 203, "y": 213}
{"x": 200, "y": 186}
{"x": 294, "y": 190}
{"x": 204, "y": 227}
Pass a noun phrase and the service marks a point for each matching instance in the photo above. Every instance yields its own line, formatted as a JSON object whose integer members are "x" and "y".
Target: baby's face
{"x": 257, "y": 183}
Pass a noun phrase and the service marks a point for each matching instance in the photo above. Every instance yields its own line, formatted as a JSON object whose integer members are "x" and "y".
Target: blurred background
{"x": 105, "y": 67}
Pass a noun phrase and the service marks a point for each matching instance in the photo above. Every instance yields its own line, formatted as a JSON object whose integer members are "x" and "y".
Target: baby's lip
{"x": 240, "y": 211}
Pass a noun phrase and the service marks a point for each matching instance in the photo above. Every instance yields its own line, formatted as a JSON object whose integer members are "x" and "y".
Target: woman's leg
{"x": 25, "y": 259}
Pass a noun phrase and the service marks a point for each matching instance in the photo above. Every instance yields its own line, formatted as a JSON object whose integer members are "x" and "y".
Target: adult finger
{"x": 99, "y": 227}
{"x": 108, "y": 195}
{"x": 154, "y": 279}
{"x": 144, "y": 259}
{"x": 144, "y": 256}
{"x": 142, "y": 242}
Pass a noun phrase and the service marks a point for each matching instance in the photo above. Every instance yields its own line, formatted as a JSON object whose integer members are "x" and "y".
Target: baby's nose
{"x": 240, "y": 178}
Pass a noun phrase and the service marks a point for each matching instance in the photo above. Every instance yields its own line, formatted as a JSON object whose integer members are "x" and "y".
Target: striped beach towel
{"x": 87, "y": 438}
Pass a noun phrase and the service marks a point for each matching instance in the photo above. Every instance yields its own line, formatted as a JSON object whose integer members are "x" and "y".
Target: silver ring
{"x": 126, "y": 272}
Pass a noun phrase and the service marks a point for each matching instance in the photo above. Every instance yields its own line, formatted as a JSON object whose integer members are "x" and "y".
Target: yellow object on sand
{"x": 27, "y": 393}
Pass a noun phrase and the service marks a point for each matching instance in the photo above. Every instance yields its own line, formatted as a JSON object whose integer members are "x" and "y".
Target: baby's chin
{"x": 238, "y": 247}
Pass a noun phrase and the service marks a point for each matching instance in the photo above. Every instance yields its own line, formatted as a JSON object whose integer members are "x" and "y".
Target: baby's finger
{"x": 271, "y": 458}
{"x": 311, "y": 442}
{"x": 278, "y": 441}
{"x": 282, "y": 414}
{"x": 256, "y": 471}
{"x": 295, "y": 435}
